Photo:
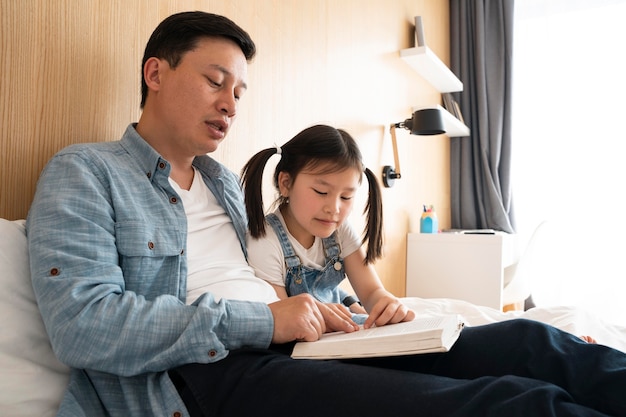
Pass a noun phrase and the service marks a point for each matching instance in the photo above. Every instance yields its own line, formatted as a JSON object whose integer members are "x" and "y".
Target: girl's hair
{"x": 314, "y": 147}
{"x": 180, "y": 33}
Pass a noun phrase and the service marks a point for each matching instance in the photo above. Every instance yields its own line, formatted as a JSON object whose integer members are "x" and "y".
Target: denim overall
{"x": 322, "y": 284}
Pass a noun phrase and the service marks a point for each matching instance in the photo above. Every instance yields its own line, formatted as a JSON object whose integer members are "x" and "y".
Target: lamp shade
{"x": 424, "y": 122}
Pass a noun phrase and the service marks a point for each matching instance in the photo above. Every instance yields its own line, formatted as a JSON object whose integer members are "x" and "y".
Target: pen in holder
{"x": 429, "y": 222}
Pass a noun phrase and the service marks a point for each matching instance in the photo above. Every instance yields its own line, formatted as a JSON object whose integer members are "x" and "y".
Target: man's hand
{"x": 301, "y": 317}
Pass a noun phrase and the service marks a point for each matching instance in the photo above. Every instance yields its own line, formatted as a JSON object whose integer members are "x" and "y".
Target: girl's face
{"x": 318, "y": 202}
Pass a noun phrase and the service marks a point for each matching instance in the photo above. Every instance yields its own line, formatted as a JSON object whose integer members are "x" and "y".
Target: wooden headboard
{"x": 70, "y": 72}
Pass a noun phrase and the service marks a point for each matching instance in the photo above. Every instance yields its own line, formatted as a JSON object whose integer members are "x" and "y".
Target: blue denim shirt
{"x": 107, "y": 239}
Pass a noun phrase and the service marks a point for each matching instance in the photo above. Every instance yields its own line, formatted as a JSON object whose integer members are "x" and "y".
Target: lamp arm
{"x": 394, "y": 143}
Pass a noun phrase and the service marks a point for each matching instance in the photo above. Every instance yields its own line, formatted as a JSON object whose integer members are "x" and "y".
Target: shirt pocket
{"x": 150, "y": 257}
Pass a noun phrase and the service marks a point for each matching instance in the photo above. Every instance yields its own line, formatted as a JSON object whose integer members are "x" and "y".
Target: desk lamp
{"x": 423, "y": 122}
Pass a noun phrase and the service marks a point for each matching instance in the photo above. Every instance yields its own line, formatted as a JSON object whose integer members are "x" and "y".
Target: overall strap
{"x": 291, "y": 259}
{"x": 331, "y": 247}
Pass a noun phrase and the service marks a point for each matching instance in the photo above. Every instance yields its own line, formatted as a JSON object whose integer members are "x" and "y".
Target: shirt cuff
{"x": 251, "y": 325}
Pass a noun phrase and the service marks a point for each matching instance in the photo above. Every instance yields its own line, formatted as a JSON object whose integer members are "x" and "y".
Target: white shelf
{"x": 423, "y": 60}
{"x": 453, "y": 126}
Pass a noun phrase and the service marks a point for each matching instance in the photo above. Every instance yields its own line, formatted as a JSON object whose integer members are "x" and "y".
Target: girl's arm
{"x": 383, "y": 307}
{"x": 280, "y": 291}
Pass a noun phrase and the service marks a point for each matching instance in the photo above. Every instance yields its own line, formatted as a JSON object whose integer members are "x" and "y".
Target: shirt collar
{"x": 147, "y": 158}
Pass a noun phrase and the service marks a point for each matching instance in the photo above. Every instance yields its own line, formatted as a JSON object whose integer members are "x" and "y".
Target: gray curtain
{"x": 481, "y": 49}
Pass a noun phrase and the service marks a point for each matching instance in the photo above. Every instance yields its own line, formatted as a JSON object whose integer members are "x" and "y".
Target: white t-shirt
{"x": 266, "y": 256}
{"x": 215, "y": 261}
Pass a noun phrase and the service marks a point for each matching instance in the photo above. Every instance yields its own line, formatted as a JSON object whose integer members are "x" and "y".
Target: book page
{"x": 423, "y": 325}
{"x": 429, "y": 334}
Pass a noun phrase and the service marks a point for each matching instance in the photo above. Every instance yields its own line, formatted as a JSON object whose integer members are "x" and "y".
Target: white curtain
{"x": 568, "y": 147}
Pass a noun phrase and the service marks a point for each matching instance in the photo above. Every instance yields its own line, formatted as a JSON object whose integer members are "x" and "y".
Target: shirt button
{"x": 337, "y": 266}
{"x": 162, "y": 165}
{"x": 150, "y": 245}
{"x": 55, "y": 272}
{"x": 177, "y": 414}
{"x": 212, "y": 353}
{"x": 173, "y": 200}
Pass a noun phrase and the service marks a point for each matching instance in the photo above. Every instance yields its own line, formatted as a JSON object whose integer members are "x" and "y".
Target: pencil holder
{"x": 429, "y": 222}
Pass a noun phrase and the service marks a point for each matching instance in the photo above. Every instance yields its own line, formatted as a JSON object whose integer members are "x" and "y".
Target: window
{"x": 569, "y": 142}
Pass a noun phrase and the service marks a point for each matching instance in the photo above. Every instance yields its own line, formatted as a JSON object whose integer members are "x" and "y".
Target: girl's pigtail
{"x": 373, "y": 233}
{"x": 251, "y": 179}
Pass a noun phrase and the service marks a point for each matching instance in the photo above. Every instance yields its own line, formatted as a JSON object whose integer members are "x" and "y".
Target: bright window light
{"x": 569, "y": 147}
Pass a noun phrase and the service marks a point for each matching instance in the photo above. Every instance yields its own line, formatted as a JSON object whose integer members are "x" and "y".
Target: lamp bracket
{"x": 390, "y": 176}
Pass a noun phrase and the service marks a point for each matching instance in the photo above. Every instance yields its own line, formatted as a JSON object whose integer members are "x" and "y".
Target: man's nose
{"x": 228, "y": 104}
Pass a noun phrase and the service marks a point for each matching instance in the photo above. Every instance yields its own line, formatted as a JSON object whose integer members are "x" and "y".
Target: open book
{"x": 422, "y": 335}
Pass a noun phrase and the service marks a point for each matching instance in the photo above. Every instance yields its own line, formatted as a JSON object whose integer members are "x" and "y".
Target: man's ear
{"x": 152, "y": 73}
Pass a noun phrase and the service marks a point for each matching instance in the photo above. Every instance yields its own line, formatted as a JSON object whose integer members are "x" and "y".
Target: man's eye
{"x": 214, "y": 83}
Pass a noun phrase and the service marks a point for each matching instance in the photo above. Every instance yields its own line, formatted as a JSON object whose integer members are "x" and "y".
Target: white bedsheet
{"x": 570, "y": 319}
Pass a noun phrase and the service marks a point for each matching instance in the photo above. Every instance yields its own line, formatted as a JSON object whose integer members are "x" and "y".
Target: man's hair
{"x": 180, "y": 33}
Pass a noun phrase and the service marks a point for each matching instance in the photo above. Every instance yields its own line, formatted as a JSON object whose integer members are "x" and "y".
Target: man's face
{"x": 197, "y": 101}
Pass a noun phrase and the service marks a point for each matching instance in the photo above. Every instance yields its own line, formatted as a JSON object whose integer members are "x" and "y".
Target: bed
{"x": 32, "y": 379}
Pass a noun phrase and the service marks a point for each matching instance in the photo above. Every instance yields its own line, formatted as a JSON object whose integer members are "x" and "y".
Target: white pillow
{"x": 32, "y": 380}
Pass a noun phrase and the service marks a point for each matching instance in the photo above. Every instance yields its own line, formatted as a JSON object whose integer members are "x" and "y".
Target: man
{"x": 138, "y": 261}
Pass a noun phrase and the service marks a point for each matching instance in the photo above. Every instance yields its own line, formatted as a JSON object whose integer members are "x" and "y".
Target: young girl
{"x": 309, "y": 247}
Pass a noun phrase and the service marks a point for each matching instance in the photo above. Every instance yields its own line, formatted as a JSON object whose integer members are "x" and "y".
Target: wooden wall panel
{"x": 70, "y": 72}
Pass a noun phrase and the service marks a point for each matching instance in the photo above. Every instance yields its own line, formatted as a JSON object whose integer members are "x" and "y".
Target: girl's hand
{"x": 388, "y": 309}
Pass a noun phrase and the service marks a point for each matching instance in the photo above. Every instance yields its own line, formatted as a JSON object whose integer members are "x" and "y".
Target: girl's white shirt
{"x": 219, "y": 269}
{"x": 265, "y": 255}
